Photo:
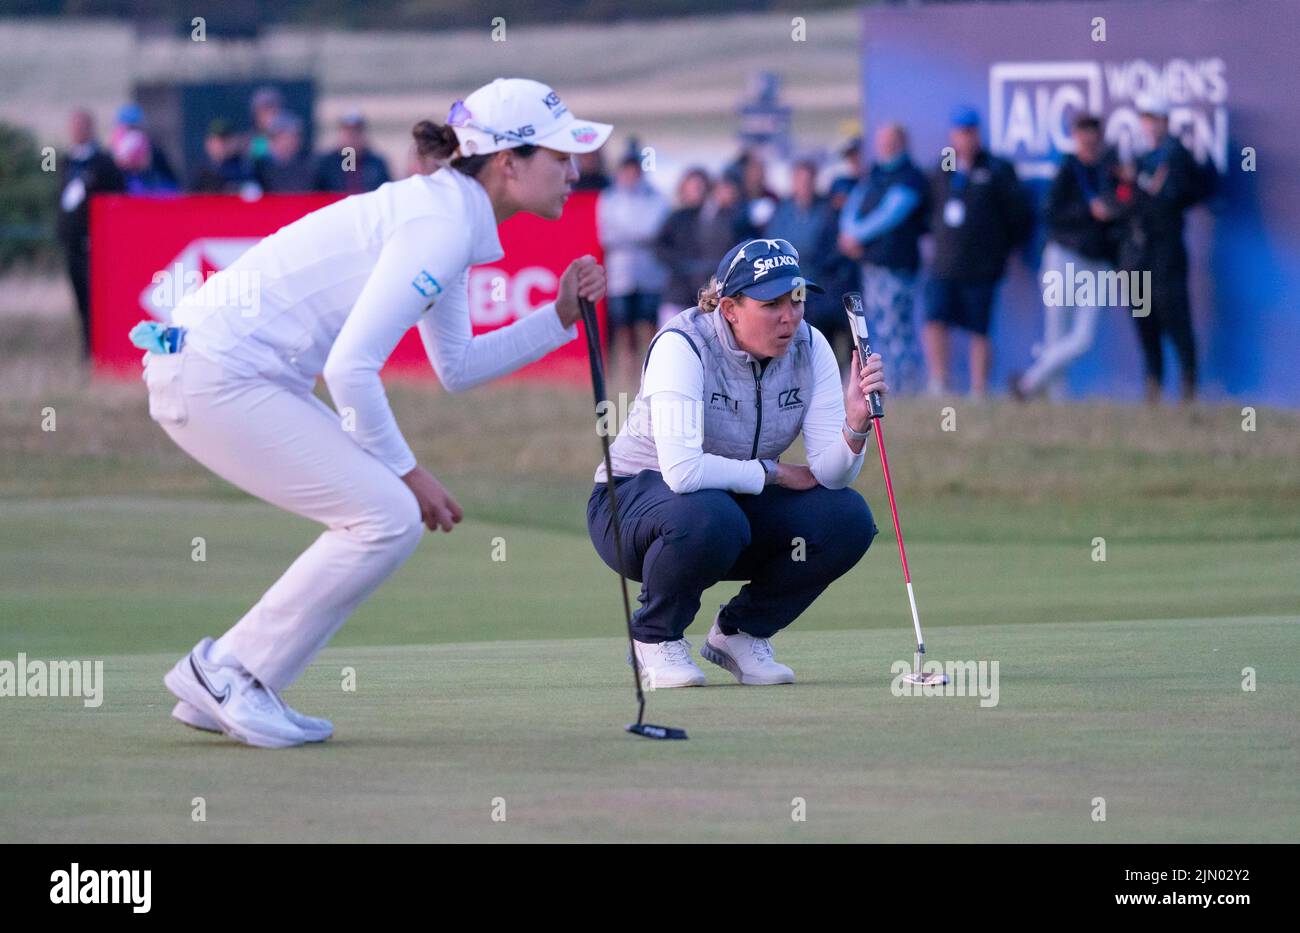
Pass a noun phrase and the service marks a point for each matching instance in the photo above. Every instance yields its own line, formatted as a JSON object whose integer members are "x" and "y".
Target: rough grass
{"x": 1090, "y": 469}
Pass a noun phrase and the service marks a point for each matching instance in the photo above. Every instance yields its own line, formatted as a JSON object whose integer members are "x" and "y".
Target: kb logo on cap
{"x": 552, "y": 102}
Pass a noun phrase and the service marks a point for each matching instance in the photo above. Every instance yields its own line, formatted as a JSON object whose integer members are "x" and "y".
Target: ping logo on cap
{"x": 519, "y": 132}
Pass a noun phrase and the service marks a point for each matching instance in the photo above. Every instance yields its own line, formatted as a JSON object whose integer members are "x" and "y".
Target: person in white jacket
{"x": 629, "y": 214}
{"x": 331, "y": 295}
{"x": 726, "y": 388}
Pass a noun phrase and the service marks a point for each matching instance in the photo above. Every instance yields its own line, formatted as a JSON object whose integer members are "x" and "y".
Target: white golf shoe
{"x": 235, "y": 700}
{"x": 316, "y": 729}
{"x": 667, "y": 664}
{"x": 749, "y": 659}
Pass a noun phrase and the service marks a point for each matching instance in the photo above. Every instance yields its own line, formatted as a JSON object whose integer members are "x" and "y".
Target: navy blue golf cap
{"x": 762, "y": 269}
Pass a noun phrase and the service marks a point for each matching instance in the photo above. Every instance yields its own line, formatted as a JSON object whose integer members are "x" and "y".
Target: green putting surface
{"x": 1148, "y": 715}
{"x": 479, "y": 679}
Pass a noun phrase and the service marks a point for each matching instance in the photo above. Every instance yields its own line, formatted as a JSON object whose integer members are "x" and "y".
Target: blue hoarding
{"x": 1228, "y": 70}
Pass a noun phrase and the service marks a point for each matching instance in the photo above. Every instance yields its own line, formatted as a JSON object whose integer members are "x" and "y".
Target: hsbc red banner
{"x": 148, "y": 252}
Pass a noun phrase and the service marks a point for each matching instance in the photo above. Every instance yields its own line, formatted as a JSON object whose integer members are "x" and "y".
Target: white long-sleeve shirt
{"x": 673, "y": 385}
{"x": 332, "y": 294}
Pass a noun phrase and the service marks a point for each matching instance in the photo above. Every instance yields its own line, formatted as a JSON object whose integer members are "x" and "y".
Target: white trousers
{"x": 1068, "y": 332}
{"x": 289, "y": 448}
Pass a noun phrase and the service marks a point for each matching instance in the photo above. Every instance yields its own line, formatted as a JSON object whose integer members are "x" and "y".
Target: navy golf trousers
{"x": 678, "y": 545}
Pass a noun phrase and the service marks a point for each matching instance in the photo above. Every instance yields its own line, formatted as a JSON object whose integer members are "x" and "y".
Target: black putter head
{"x": 646, "y": 730}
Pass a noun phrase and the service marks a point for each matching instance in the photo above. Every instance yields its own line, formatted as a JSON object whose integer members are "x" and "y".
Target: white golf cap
{"x": 1152, "y": 102}
{"x": 512, "y": 112}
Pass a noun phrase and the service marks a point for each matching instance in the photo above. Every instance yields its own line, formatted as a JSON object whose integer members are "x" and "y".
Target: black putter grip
{"x": 592, "y": 329}
{"x": 858, "y": 328}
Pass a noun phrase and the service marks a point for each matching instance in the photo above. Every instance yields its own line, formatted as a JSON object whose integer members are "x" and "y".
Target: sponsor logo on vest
{"x": 789, "y": 398}
{"x": 719, "y": 401}
{"x": 763, "y": 266}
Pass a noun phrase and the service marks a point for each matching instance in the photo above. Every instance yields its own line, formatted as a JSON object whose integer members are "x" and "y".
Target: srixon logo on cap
{"x": 763, "y": 266}
{"x": 552, "y": 102}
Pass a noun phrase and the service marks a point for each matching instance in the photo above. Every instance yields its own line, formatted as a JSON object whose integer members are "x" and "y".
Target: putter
{"x": 858, "y": 327}
{"x": 640, "y": 727}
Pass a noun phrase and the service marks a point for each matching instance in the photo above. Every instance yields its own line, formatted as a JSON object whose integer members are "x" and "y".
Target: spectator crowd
{"x": 1109, "y": 220}
{"x": 1102, "y": 215}
{"x": 272, "y": 158}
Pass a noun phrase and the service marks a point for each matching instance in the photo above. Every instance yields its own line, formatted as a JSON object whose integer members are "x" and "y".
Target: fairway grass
{"x": 1148, "y": 715}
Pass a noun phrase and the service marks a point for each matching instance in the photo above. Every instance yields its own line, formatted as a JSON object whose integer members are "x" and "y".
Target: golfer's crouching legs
{"x": 840, "y": 526}
{"x": 791, "y": 544}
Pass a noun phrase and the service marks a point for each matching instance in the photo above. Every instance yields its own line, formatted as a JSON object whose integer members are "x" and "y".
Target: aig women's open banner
{"x": 1227, "y": 71}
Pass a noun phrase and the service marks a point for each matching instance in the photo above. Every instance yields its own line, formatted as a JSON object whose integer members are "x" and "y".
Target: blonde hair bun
{"x": 710, "y": 296}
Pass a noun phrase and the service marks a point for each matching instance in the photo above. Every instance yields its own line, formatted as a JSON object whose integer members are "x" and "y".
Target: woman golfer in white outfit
{"x": 331, "y": 295}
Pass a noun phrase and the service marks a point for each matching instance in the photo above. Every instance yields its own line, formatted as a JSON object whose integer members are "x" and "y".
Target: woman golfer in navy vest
{"x": 726, "y": 388}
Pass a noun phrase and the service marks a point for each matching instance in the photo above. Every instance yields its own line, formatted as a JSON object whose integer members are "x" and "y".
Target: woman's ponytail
{"x": 437, "y": 142}
{"x": 434, "y": 140}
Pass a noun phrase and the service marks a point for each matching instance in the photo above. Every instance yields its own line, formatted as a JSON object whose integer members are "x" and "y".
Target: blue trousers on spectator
{"x": 678, "y": 545}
